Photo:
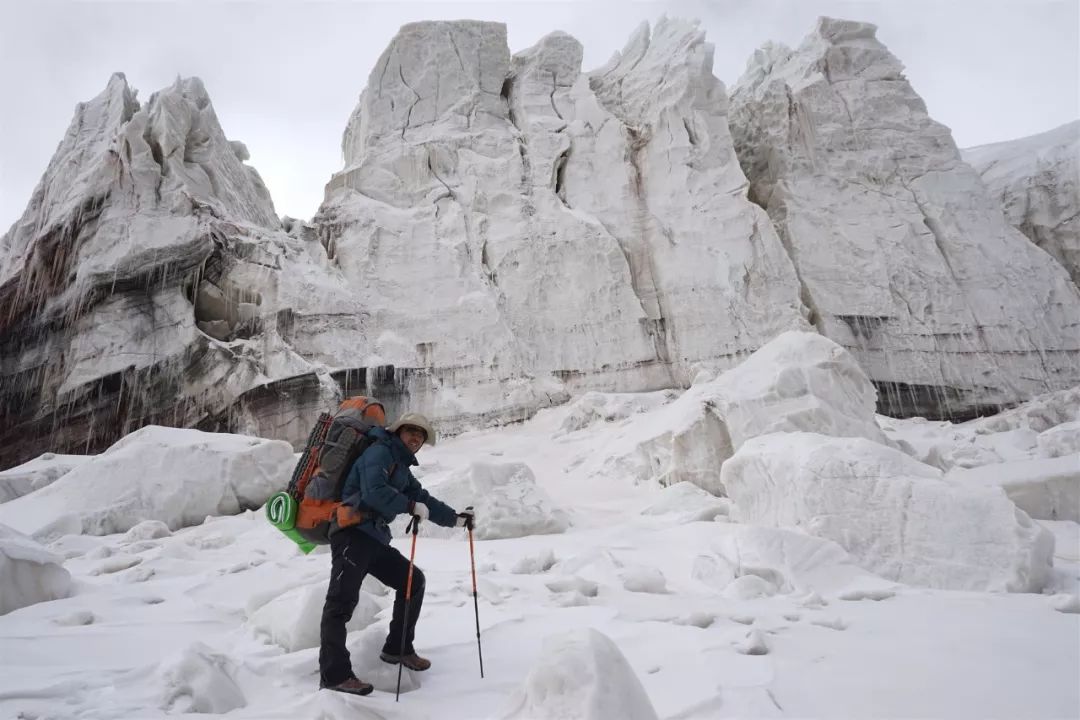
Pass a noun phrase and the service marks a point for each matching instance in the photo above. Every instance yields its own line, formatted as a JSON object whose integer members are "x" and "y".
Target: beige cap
{"x": 418, "y": 421}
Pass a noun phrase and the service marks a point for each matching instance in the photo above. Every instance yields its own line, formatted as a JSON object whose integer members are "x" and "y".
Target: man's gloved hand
{"x": 421, "y": 511}
{"x": 466, "y": 518}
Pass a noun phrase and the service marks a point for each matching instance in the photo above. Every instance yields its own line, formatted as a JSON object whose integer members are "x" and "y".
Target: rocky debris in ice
{"x": 507, "y": 500}
{"x": 644, "y": 579}
{"x": 1044, "y": 488}
{"x": 799, "y": 381}
{"x": 753, "y": 644}
{"x": 595, "y": 407}
{"x": 198, "y": 679}
{"x": 173, "y": 475}
{"x": 1067, "y": 603}
{"x": 29, "y": 573}
{"x": 468, "y": 214}
{"x": 1060, "y": 441}
{"x": 934, "y": 295}
{"x": 36, "y": 474}
{"x": 688, "y": 503}
{"x": 1037, "y": 181}
{"x": 292, "y": 619}
{"x": 580, "y": 675}
{"x": 897, "y": 517}
{"x": 534, "y": 564}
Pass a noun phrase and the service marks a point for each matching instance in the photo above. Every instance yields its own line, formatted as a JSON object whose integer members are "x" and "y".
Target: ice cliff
{"x": 508, "y": 231}
{"x": 1037, "y": 180}
{"x": 903, "y": 255}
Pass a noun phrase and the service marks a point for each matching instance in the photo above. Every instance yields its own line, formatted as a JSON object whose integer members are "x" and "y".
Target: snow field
{"x": 814, "y": 609}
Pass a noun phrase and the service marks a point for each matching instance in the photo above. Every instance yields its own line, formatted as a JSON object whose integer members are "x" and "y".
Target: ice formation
{"x": 174, "y": 475}
{"x": 898, "y": 518}
{"x": 903, "y": 255}
{"x": 466, "y": 263}
{"x": 1037, "y": 180}
{"x": 29, "y": 573}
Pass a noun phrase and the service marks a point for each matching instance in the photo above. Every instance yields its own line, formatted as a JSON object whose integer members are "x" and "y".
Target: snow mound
{"x": 792, "y": 562}
{"x": 688, "y": 503}
{"x": 507, "y": 500}
{"x": 1044, "y": 488}
{"x": 364, "y": 648}
{"x": 1038, "y": 414}
{"x": 644, "y": 579}
{"x": 581, "y": 675}
{"x": 596, "y": 407}
{"x": 292, "y": 619}
{"x": 43, "y": 470}
{"x": 29, "y": 573}
{"x": 176, "y": 476}
{"x": 1061, "y": 440}
{"x": 896, "y": 516}
{"x": 797, "y": 382}
{"x": 534, "y": 564}
{"x": 199, "y": 680}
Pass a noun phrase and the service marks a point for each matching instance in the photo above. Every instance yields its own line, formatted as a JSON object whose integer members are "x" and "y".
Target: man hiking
{"x": 380, "y": 486}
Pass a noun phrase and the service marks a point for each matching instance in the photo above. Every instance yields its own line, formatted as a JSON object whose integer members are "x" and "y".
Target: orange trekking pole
{"x": 476, "y": 605}
{"x": 415, "y": 525}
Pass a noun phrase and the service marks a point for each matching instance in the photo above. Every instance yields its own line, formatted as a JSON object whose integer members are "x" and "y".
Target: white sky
{"x": 284, "y": 76}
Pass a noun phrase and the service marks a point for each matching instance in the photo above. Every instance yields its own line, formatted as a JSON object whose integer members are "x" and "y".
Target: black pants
{"x": 354, "y": 554}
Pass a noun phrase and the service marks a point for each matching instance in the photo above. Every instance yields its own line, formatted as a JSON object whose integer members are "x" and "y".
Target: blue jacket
{"x": 380, "y": 483}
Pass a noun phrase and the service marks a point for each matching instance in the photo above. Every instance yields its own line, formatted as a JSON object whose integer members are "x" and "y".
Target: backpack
{"x": 333, "y": 446}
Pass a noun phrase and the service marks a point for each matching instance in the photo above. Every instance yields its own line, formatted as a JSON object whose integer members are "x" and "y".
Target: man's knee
{"x": 339, "y": 607}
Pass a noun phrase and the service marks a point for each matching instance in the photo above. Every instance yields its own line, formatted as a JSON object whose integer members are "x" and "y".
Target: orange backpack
{"x": 333, "y": 446}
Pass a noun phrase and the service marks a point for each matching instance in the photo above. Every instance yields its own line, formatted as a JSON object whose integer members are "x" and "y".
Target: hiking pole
{"x": 415, "y": 525}
{"x": 476, "y": 605}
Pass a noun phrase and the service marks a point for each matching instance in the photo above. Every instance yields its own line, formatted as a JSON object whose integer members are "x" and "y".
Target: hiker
{"x": 379, "y": 487}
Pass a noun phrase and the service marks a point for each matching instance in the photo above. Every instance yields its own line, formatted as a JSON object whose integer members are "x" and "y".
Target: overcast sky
{"x": 284, "y": 76}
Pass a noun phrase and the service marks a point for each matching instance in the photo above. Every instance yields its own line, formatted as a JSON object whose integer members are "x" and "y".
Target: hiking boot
{"x": 352, "y": 686}
{"x": 409, "y": 660}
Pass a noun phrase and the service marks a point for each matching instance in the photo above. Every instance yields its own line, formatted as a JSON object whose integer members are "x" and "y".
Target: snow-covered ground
{"x": 604, "y": 593}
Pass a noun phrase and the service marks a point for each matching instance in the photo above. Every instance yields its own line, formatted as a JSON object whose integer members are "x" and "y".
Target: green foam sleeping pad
{"x": 281, "y": 512}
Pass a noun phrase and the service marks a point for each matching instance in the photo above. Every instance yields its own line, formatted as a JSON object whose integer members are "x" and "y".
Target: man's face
{"x": 412, "y": 437}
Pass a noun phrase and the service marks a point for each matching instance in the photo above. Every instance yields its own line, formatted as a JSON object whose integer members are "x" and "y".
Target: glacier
{"x": 1037, "y": 180}
{"x": 467, "y": 263}
{"x": 903, "y": 255}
